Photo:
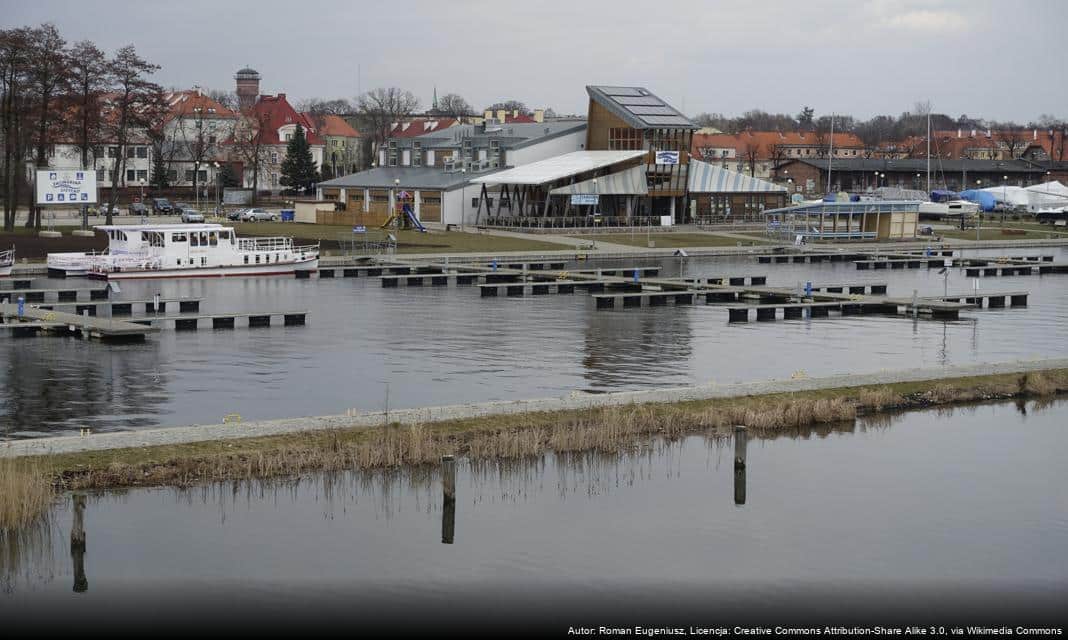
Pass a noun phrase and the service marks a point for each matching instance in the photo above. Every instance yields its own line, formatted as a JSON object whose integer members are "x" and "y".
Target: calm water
{"x": 925, "y": 517}
{"x": 365, "y": 346}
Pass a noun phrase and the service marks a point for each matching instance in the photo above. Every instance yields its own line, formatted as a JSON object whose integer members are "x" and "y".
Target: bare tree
{"x": 453, "y": 105}
{"x": 318, "y": 106}
{"x": 777, "y": 153}
{"x": 89, "y": 79}
{"x": 380, "y": 109}
{"x": 1014, "y": 141}
{"x": 749, "y": 151}
{"x": 16, "y": 46}
{"x": 510, "y": 106}
{"x": 250, "y": 145}
{"x": 133, "y": 93}
{"x": 49, "y": 77}
{"x": 227, "y": 99}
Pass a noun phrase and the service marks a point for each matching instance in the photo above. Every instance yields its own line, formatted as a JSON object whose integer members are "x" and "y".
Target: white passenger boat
{"x": 184, "y": 251}
{"x": 7, "y": 261}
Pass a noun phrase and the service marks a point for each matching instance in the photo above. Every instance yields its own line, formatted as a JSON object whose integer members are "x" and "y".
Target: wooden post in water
{"x": 740, "y": 440}
{"x": 448, "y": 509}
{"x": 77, "y": 544}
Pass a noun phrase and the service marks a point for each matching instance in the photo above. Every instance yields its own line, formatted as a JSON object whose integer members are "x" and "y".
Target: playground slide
{"x": 411, "y": 218}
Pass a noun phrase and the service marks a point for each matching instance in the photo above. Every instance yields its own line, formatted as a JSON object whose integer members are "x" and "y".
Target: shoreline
{"x": 574, "y": 401}
{"x": 31, "y": 482}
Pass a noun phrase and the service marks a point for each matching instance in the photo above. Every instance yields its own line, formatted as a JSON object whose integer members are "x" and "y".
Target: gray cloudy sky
{"x": 999, "y": 60}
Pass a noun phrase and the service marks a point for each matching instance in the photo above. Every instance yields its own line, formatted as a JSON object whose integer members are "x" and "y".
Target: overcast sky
{"x": 998, "y": 60}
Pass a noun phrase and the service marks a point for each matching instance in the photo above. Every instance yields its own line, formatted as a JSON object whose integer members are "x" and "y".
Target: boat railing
{"x": 276, "y": 243}
{"x": 129, "y": 261}
{"x": 7, "y": 256}
{"x": 306, "y": 249}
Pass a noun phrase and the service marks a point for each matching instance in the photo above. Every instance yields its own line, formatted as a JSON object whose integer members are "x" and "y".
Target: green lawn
{"x": 669, "y": 240}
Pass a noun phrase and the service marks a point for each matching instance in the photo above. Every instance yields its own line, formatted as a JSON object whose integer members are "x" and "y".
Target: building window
{"x": 172, "y": 175}
{"x": 392, "y": 159}
{"x": 624, "y": 138}
{"x": 142, "y": 152}
{"x": 188, "y": 175}
{"x": 142, "y": 174}
{"x": 131, "y": 175}
{"x": 113, "y": 152}
{"x": 99, "y": 175}
{"x": 274, "y": 156}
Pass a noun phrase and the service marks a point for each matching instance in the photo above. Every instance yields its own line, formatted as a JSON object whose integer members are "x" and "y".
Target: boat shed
{"x": 720, "y": 195}
{"x": 569, "y": 190}
{"x": 867, "y": 220}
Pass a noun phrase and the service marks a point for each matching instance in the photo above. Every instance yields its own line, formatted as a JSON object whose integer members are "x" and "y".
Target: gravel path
{"x": 575, "y": 400}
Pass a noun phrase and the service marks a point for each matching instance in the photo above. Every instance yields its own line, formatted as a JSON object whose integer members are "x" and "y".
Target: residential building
{"x": 756, "y": 153}
{"x": 276, "y": 122}
{"x": 341, "y": 144}
{"x": 482, "y": 147}
{"x": 194, "y": 139}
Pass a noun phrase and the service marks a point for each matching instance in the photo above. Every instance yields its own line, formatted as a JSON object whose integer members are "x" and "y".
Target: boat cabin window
{"x": 178, "y": 237}
{"x": 194, "y": 240}
{"x": 115, "y": 234}
{"x": 224, "y": 236}
{"x": 155, "y": 239}
{"x": 203, "y": 238}
{"x": 213, "y": 239}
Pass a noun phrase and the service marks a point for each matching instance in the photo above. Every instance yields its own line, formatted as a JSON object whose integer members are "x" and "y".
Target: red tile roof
{"x": 330, "y": 125}
{"x": 276, "y": 112}
{"x": 764, "y": 140}
{"x": 186, "y": 103}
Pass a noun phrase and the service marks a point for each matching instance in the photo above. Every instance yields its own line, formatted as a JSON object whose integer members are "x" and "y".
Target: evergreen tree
{"x": 298, "y": 167}
{"x": 227, "y": 177}
{"x": 159, "y": 172}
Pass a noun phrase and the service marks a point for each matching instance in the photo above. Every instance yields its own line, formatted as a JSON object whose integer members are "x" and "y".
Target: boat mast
{"x": 928, "y": 152}
{"x": 830, "y": 155}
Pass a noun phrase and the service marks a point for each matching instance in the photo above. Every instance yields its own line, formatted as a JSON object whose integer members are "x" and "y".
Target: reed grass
{"x": 607, "y": 430}
{"x": 26, "y": 491}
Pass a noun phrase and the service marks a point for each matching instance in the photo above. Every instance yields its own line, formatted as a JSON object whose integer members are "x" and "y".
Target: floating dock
{"x": 59, "y": 322}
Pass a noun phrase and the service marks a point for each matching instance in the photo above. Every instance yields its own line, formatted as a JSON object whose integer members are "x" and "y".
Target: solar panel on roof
{"x": 651, "y": 101}
{"x": 620, "y": 91}
{"x": 652, "y": 111}
{"x": 666, "y": 120}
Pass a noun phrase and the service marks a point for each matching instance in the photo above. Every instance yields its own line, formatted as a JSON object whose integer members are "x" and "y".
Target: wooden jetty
{"x": 224, "y": 320}
{"x": 521, "y": 289}
{"x": 993, "y": 299}
{"x": 62, "y": 294}
{"x": 127, "y": 307}
{"x": 105, "y": 329}
{"x": 734, "y": 281}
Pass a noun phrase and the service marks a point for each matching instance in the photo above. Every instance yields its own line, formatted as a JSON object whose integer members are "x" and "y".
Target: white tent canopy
{"x": 1036, "y": 197}
{"x": 707, "y": 178}
{"x": 556, "y": 168}
{"x": 629, "y": 182}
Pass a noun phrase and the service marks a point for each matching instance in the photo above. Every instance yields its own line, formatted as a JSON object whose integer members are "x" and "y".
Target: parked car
{"x": 258, "y": 215}
{"x": 138, "y": 209}
{"x": 235, "y": 214}
{"x": 926, "y": 230}
{"x": 162, "y": 206}
{"x": 179, "y": 207}
{"x": 190, "y": 214}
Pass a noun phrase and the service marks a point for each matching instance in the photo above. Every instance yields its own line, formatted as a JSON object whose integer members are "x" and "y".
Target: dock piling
{"x": 740, "y": 440}
{"x": 448, "y": 490}
{"x": 77, "y": 544}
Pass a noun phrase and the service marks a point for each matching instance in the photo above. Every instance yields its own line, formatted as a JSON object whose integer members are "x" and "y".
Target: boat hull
{"x": 235, "y": 271}
{"x": 5, "y": 270}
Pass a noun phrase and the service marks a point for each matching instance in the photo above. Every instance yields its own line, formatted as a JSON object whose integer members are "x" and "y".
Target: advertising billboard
{"x": 65, "y": 187}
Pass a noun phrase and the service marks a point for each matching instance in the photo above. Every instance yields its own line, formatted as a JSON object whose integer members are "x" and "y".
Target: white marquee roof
{"x": 558, "y": 167}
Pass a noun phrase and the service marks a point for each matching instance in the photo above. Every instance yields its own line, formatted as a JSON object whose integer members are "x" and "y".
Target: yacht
{"x": 184, "y": 251}
{"x": 7, "y": 261}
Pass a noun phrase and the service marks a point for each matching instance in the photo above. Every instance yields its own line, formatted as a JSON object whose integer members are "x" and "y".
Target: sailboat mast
{"x": 928, "y": 153}
{"x": 830, "y": 155}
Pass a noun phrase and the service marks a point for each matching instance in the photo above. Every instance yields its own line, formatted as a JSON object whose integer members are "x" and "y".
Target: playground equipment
{"x": 404, "y": 216}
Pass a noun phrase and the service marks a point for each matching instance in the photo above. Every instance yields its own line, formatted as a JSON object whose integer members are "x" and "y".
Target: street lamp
{"x": 218, "y": 202}
{"x": 142, "y": 182}
{"x": 396, "y": 202}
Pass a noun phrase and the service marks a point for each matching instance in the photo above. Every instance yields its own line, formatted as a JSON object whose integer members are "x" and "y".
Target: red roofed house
{"x": 277, "y": 121}
{"x": 757, "y": 153}
{"x": 341, "y": 144}
{"x": 195, "y": 131}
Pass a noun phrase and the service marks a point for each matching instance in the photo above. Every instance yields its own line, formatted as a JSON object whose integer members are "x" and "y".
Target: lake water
{"x": 365, "y": 347}
{"x": 927, "y": 517}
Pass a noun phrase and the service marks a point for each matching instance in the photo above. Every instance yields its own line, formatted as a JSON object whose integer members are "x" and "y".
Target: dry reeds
{"x": 26, "y": 492}
{"x": 606, "y": 430}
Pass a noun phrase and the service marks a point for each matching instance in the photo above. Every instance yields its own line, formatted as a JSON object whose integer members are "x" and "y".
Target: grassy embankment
{"x": 671, "y": 240}
{"x": 27, "y": 485}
